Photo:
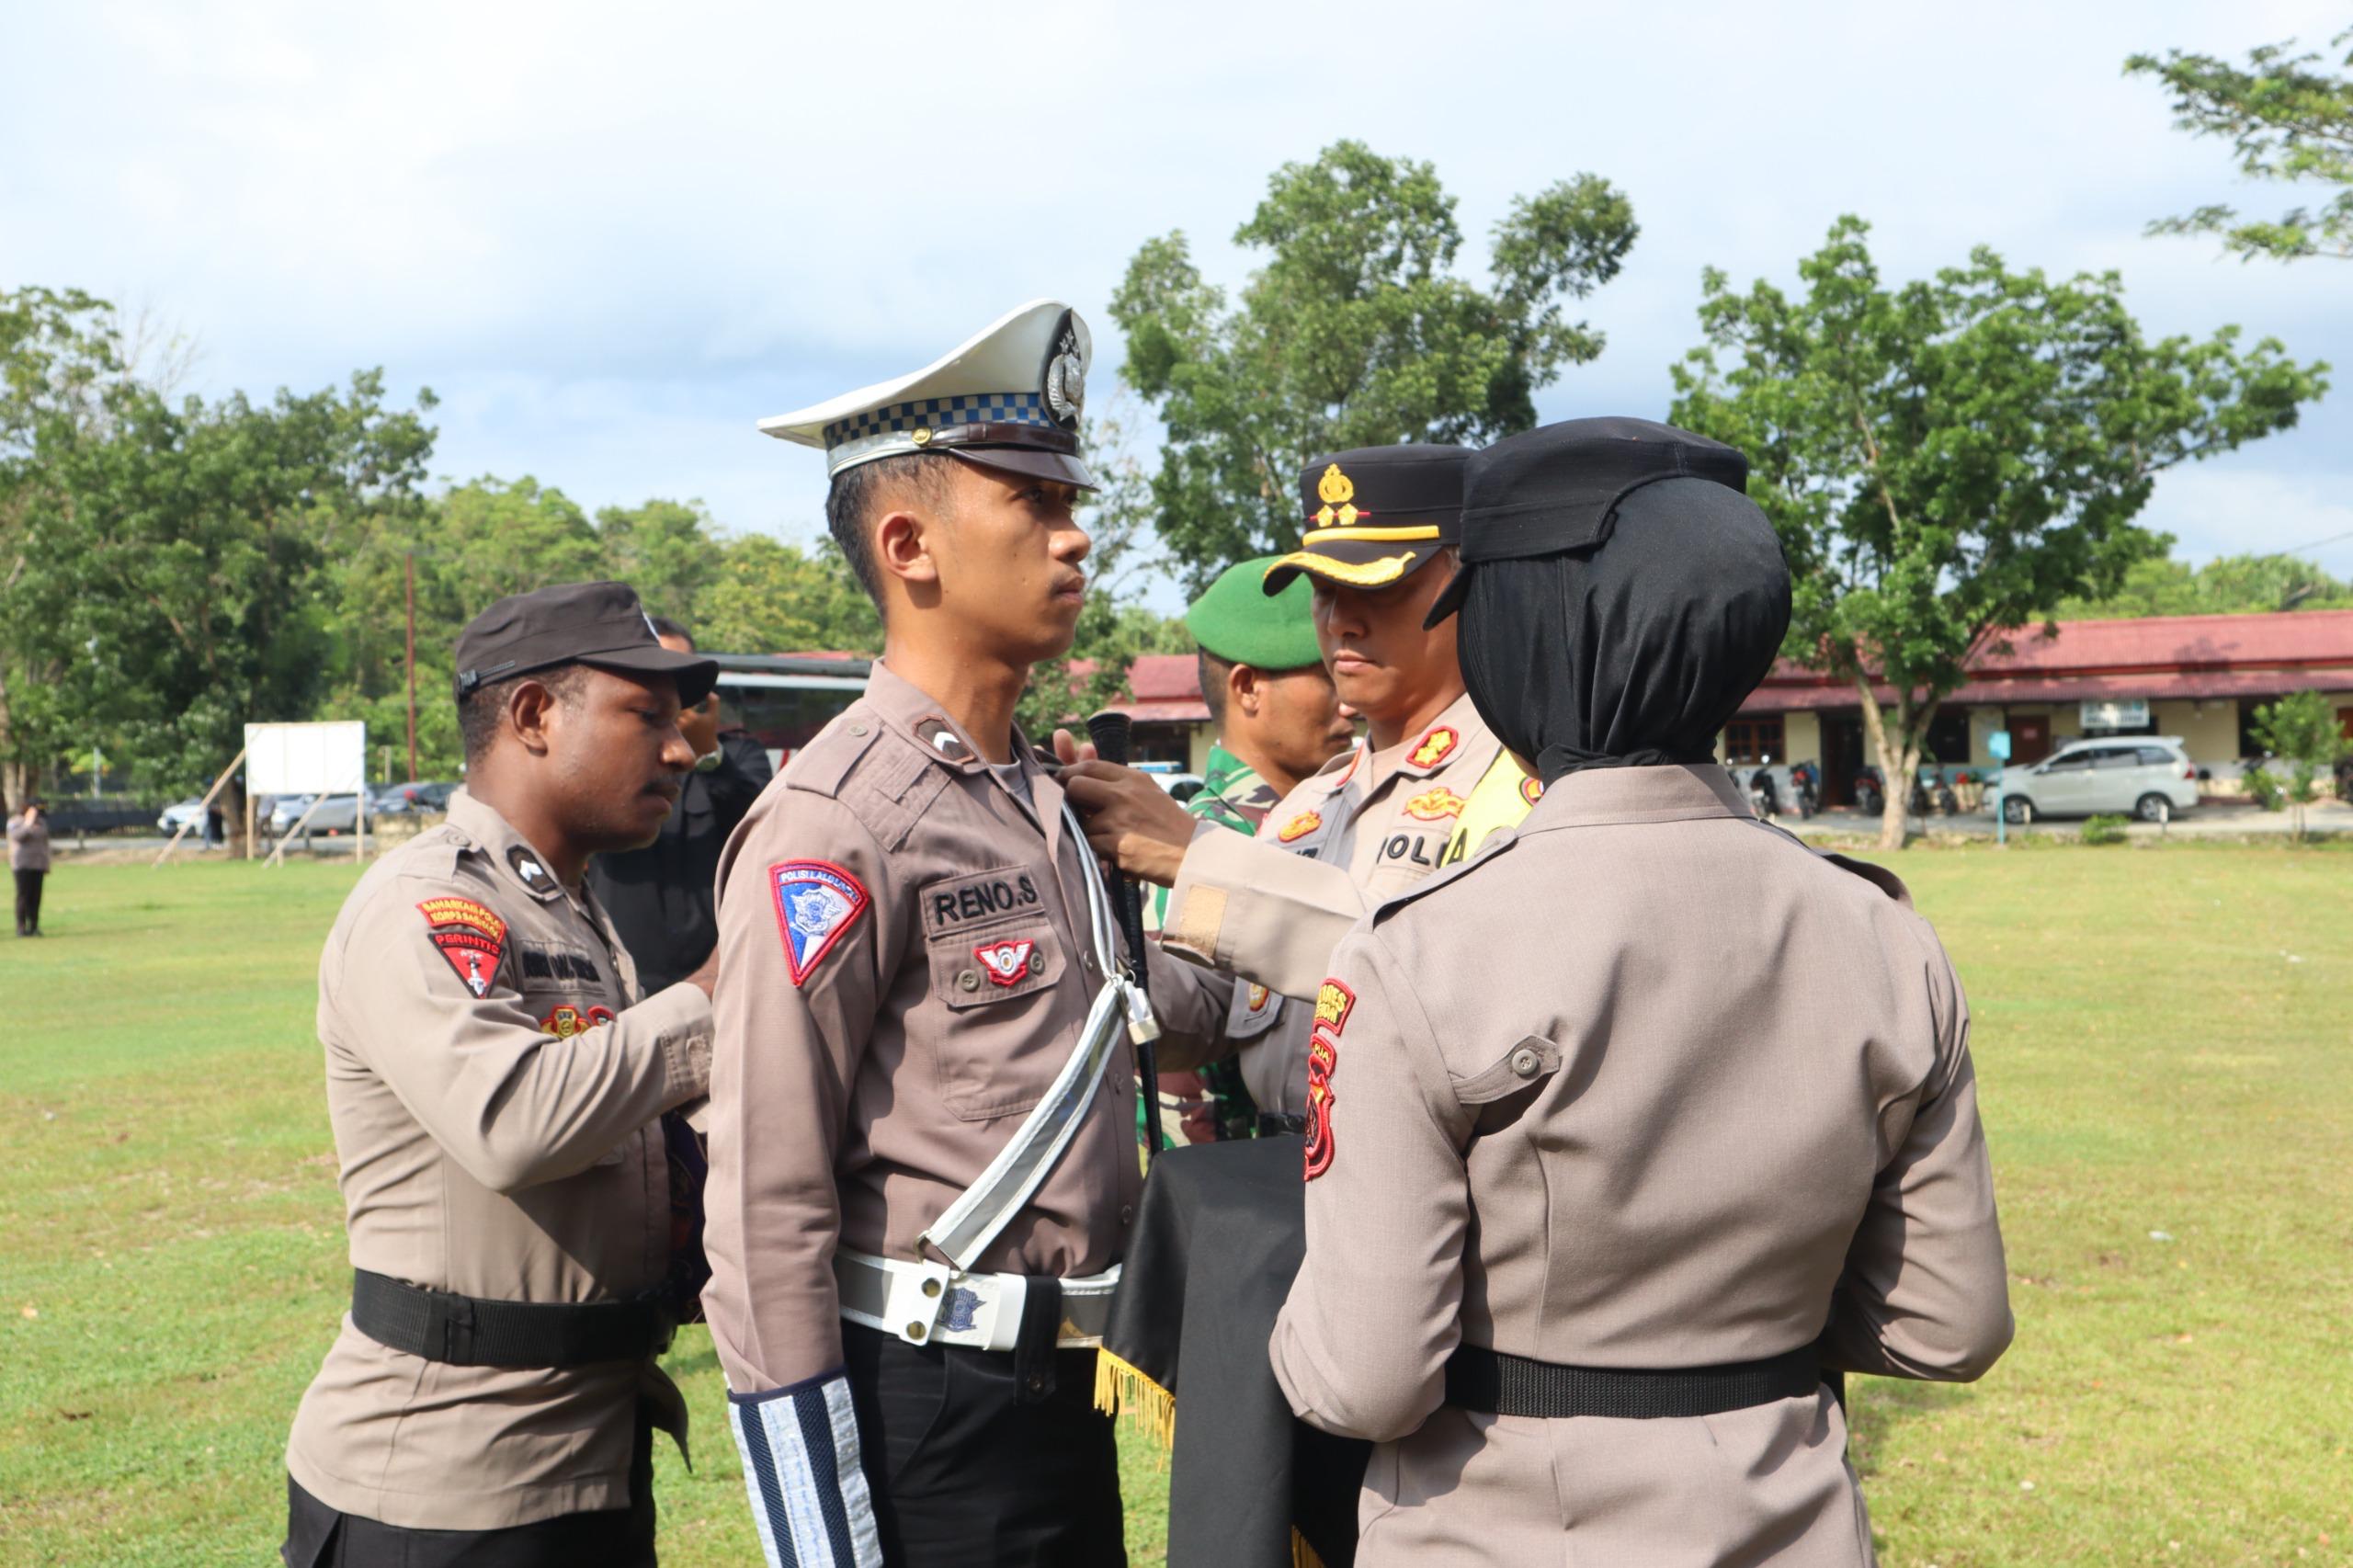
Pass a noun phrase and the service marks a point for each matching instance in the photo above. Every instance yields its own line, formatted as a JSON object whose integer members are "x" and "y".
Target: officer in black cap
{"x": 502, "y": 1094}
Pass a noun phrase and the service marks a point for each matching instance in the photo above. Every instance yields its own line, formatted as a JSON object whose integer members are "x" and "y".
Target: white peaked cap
{"x": 1007, "y": 397}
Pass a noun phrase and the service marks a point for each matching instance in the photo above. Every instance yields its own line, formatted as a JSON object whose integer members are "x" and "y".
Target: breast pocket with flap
{"x": 995, "y": 959}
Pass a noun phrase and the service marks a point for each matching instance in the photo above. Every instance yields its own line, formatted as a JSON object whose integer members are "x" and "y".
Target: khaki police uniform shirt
{"x": 1648, "y": 1085}
{"x": 904, "y": 967}
{"x": 496, "y": 1088}
{"x": 1269, "y": 911}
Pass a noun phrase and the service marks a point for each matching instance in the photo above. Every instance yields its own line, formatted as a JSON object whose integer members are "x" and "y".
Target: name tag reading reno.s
{"x": 969, "y": 903}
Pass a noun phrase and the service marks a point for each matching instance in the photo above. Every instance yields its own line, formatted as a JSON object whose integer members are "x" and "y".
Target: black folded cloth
{"x": 1218, "y": 1239}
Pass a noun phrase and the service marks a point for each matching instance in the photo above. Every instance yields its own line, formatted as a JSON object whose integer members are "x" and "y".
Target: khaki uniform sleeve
{"x": 1192, "y": 1005}
{"x": 1361, "y": 1345}
{"x": 1926, "y": 1292}
{"x": 511, "y": 1103}
{"x": 784, "y": 1065}
{"x": 1251, "y": 909}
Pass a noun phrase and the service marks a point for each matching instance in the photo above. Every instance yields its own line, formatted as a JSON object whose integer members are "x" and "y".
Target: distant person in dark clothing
{"x": 660, "y": 897}
{"x": 28, "y": 859}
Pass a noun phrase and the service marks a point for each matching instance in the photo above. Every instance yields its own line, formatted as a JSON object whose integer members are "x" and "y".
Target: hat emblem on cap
{"x": 1065, "y": 379}
{"x": 1338, "y": 492}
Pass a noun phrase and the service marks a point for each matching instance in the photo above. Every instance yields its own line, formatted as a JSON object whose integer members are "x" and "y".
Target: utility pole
{"x": 412, "y": 663}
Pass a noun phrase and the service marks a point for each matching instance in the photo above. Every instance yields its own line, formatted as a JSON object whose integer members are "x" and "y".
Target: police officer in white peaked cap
{"x": 923, "y": 1120}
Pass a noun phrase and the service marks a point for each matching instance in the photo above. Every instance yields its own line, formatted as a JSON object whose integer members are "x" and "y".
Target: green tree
{"x": 495, "y": 537}
{"x": 2286, "y": 120}
{"x": 667, "y": 550}
{"x": 1355, "y": 332}
{"x": 1948, "y": 460}
{"x": 772, "y": 597}
{"x": 60, "y": 374}
{"x": 2301, "y": 730}
{"x": 2231, "y": 585}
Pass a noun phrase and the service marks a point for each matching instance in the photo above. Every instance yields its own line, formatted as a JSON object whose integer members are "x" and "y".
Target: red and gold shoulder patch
{"x": 1434, "y": 805}
{"x": 1258, "y": 996}
{"x": 1532, "y": 790}
{"x": 1300, "y": 826}
{"x": 1332, "y": 1004}
{"x": 1436, "y": 746}
{"x": 468, "y": 935}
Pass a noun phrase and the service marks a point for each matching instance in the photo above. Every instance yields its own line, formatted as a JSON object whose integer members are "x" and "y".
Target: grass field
{"x": 2164, "y": 1041}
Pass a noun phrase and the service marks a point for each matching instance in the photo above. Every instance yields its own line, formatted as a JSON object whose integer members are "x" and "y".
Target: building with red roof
{"x": 2198, "y": 676}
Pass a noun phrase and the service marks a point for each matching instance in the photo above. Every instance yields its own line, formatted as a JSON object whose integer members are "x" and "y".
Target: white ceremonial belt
{"x": 930, "y": 1303}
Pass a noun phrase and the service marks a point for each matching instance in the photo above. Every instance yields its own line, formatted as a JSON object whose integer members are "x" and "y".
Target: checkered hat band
{"x": 938, "y": 412}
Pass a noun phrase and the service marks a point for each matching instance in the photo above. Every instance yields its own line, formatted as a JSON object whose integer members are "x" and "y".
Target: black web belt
{"x": 466, "y": 1331}
{"x": 1493, "y": 1383}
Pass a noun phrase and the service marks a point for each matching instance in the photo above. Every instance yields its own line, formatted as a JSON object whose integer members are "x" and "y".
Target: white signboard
{"x": 2128, "y": 714}
{"x": 306, "y": 760}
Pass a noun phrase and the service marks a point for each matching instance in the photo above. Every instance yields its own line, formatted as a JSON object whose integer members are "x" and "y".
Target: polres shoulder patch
{"x": 467, "y": 934}
{"x": 1334, "y": 1003}
{"x": 816, "y": 902}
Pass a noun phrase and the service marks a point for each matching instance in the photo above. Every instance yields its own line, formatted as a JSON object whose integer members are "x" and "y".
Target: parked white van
{"x": 2149, "y": 777}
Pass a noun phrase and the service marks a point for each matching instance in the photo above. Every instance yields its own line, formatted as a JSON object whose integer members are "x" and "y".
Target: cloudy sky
{"x": 611, "y": 237}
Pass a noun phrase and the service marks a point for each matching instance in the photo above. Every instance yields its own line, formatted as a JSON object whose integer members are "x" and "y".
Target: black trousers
{"x": 966, "y": 1475}
{"x": 29, "y": 902}
{"x": 319, "y": 1537}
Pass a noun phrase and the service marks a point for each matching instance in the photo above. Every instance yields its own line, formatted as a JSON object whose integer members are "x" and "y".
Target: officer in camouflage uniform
{"x": 1278, "y": 721}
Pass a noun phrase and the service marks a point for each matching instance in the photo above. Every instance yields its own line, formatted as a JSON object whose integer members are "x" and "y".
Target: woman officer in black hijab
{"x": 1649, "y": 1119}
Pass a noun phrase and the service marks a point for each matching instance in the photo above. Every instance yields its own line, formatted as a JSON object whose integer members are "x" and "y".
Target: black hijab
{"x": 1636, "y": 651}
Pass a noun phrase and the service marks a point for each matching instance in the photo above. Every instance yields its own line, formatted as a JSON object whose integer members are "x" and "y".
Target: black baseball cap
{"x": 1375, "y": 514}
{"x": 598, "y": 624}
{"x": 1556, "y": 489}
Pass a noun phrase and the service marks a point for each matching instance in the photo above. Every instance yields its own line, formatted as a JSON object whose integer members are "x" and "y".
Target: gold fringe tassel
{"x": 1301, "y": 1555}
{"x": 1121, "y": 1389}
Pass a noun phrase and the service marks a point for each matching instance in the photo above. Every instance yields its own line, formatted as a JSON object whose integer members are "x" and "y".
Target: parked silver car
{"x": 336, "y": 813}
{"x": 2149, "y": 777}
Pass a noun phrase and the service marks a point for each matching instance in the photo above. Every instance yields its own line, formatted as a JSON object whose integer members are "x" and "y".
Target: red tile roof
{"x": 2151, "y": 657}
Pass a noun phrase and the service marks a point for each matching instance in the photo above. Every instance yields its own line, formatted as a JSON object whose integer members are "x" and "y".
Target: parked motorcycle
{"x": 1930, "y": 793}
{"x": 1763, "y": 799}
{"x": 1805, "y": 788}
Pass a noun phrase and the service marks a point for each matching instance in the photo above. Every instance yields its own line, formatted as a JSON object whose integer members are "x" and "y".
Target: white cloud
{"x": 611, "y": 237}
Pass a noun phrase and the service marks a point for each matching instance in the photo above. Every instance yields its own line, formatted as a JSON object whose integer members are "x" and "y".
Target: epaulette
{"x": 1879, "y": 877}
{"x": 1497, "y": 844}
{"x": 823, "y": 765}
{"x": 896, "y": 784}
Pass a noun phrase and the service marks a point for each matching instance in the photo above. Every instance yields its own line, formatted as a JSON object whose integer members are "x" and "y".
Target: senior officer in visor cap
{"x": 497, "y": 1084}
{"x": 1383, "y": 526}
{"x": 923, "y": 1155}
{"x": 1717, "y": 1129}
{"x": 1279, "y": 720}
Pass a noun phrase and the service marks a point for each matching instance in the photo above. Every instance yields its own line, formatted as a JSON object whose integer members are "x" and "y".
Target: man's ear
{"x": 1245, "y": 688}
{"x": 530, "y": 708}
{"x": 903, "y": 541}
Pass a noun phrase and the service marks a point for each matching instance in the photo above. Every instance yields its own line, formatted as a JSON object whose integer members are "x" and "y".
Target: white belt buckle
{"x": 916, "y": 1297}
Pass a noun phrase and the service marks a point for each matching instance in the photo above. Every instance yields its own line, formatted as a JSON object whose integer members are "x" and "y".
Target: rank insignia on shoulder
{"x": 1436, "y": 746}
{"x": 937, "y": 734}
{"x": 1299, "y": 828}
{"x": 1007, "y": 962}
{"x": 1532, "y": 790}
{"x": 1434, "y": 805}
{"x": 816, "y": 902}
{"x": 1332, "y": 1004}
{"x": 468, "y": 935}
{"x": 536, "y": 876}
{"x": 1258, "y": 996}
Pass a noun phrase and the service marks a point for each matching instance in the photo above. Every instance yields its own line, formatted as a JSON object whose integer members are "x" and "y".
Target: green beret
{"x": 1240, "y": 622}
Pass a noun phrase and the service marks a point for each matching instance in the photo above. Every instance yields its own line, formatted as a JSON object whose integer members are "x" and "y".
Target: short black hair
{"x": 480, "y": 711}
{"x": 665, "y": 627}
{"x": 856, "y": 493}
{"x": 1213, "y": 672}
